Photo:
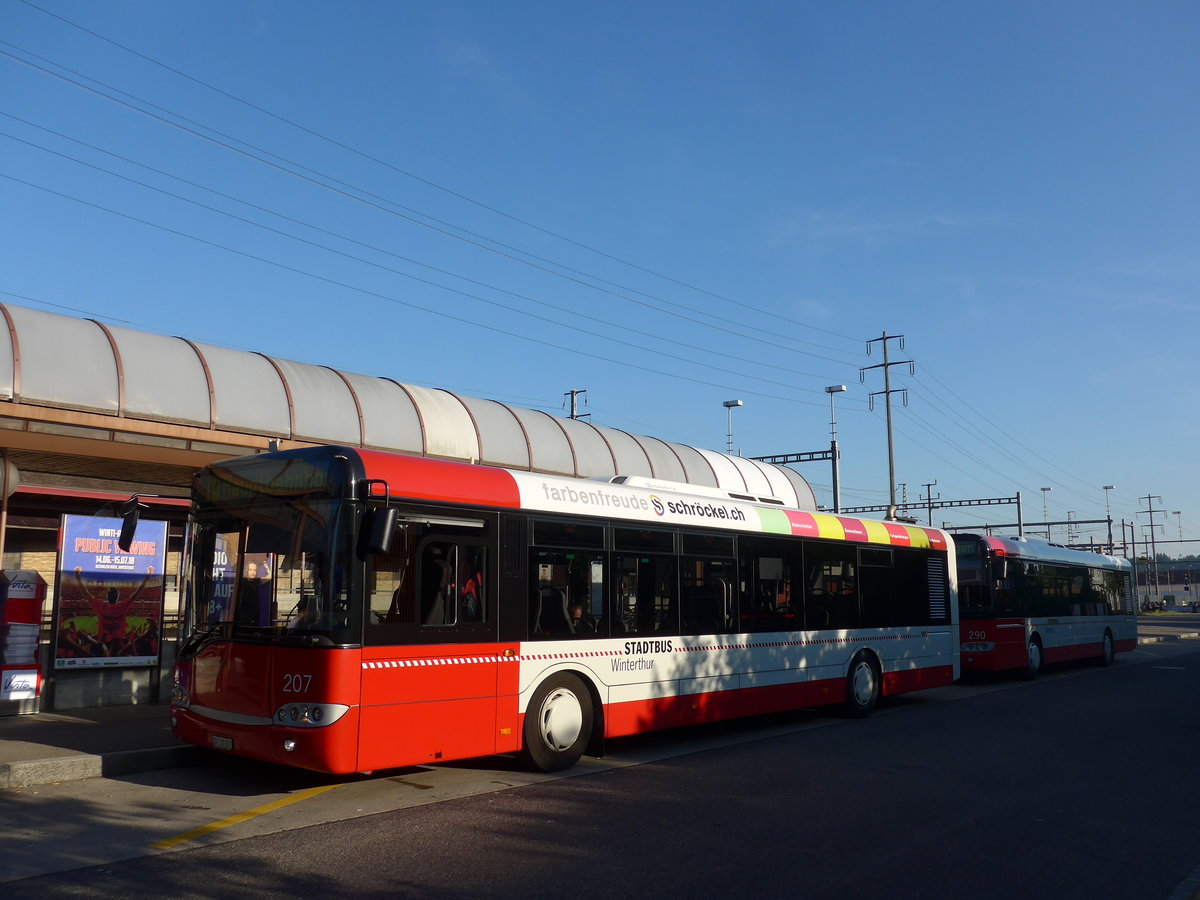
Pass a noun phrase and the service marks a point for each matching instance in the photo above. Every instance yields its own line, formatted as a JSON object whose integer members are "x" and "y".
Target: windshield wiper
{"x": 200, "y": 638}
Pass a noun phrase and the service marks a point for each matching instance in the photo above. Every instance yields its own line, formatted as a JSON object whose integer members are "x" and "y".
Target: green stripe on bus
{"x": 774, "y": 521}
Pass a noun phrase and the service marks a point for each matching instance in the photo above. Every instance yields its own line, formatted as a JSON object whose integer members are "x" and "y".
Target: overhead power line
{"x": 438, "y": 222}
{"x": 692, "y": 360}
{"x": 428, "y": 182}
{"x": 335, "y": 282}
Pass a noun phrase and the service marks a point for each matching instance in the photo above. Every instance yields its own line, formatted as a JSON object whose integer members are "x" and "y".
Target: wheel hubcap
{"x": 863, "y": 684}
{"x": 561, "y": 719}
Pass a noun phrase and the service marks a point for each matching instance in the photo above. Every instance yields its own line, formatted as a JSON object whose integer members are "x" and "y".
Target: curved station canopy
{"x": 62, "y": 362}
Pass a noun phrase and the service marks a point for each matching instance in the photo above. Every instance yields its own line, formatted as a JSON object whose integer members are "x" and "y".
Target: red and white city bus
{"x": 352, "y": 610}
{"x": 1026, "y": 602}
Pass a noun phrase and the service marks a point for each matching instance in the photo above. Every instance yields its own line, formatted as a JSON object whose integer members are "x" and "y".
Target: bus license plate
{"x": 220, "y": 743}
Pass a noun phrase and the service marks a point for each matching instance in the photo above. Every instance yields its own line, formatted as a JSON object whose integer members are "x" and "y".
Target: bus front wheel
{"x": 862, "y": 685}
{"x": 558, "y": 723}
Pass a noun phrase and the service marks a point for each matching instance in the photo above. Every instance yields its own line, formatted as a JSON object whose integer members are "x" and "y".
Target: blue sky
{"x": 669, "y": 205}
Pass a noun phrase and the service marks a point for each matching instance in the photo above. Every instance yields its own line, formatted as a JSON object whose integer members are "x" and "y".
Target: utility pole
{"x": 1150, "y": 498}
{"x": 887, "y": 392}
{"x": 574, "y": 395}
{"x": 929, "y": 498}
{"x": 1108, "y": 513}
{"x": 833, "y": 445}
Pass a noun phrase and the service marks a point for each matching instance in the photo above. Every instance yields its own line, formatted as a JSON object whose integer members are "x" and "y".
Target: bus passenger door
{"x": 430, "y": 658}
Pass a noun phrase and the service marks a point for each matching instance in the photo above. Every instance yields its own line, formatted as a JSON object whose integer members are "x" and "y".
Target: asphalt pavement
{"x": 70, "y": 745}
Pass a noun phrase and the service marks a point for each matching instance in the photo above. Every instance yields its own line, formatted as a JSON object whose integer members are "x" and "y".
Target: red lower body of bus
{"x": 999, "y": 645}
{"x": 386, "y": 707}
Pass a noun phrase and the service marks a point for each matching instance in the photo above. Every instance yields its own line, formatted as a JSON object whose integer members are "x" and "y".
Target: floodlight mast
{"x": 730, "y": 405}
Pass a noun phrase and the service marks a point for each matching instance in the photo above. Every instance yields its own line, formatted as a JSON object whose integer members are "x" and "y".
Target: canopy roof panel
{"x": 58, "y": 361}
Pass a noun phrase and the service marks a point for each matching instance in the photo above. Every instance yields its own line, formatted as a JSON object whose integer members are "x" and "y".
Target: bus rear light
{"x": 309, "y": 715}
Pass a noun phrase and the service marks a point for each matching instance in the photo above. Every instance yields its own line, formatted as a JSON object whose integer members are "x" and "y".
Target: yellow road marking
{"x": 168, "y": 843}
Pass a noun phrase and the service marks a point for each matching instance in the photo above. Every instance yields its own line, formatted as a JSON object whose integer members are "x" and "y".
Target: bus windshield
{"x": 272, "y": 569}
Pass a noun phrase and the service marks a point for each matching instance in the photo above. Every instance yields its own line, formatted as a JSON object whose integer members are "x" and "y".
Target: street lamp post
{"x": 729, "y": 407}
{"x": 1178, "y": 514}
{"x": 833, "y": 445}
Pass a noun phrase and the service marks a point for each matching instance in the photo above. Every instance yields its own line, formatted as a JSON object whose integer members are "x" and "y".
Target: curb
{"x": 1159, "y": 638}
{"x": 31, "y": 772}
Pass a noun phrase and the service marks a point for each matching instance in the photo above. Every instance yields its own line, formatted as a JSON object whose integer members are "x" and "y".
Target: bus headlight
{"x": 309, "y": 715}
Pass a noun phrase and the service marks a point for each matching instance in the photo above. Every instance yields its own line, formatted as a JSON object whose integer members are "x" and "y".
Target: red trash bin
{"x": 22, "y": 594}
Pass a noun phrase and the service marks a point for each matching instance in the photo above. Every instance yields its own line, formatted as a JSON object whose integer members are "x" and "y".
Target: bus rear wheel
{"x": 1107, "y": 654}
{"x": 862, "y": 685}
{"x": 1033, "y": 658}
{"x": 558, "y": 724}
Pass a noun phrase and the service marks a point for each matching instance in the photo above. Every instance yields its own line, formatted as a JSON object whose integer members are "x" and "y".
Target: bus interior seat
{"x": 554, "y": 617}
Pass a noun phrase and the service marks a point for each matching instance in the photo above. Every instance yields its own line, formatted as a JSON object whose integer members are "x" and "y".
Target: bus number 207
{"x": 296, "y": 684}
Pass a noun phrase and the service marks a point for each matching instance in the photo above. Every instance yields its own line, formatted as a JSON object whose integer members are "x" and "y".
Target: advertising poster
{"x": 110, "y": 601}
{"x": 221, "y": 605}
{"x": 254, "y": 604}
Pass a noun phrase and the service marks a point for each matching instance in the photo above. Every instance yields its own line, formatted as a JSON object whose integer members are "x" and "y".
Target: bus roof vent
{"x": 677, "y": 487}
{"x": 698, "y": 490}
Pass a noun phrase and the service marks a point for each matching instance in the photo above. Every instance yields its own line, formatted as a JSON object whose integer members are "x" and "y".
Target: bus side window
{"x": 391, "y": 584}
{"x": 472, "y": 596}
{"x": 438, "y": 563}
{"x": 566, "y": 594}
{"x": 832, "y": 586}
{"x": 705, "y": 596}
{"x": 648, "y": 601}
{"x": 425, "y": 582}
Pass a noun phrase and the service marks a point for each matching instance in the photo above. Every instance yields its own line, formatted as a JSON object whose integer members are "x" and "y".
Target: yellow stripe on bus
{"x": 876, "y": 532}
{"x": 829, "y": 527}
{"x": 918, "y": 535}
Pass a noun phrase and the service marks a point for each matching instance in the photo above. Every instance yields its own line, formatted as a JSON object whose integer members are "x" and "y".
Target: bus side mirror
{"x": 381, "y": 526}
{"x": 131, "y": 509}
